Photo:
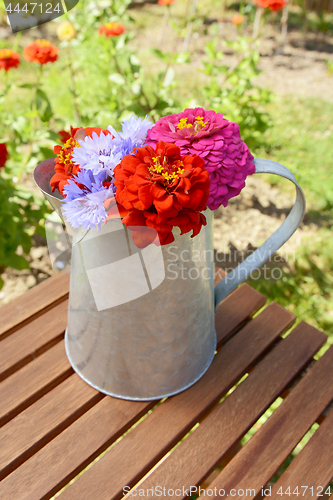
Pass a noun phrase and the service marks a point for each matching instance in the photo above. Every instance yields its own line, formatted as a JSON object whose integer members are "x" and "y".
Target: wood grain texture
{"x": 219, "y": 274}
{"x": 227, "y": 313}
{"x": 199, "y": 454}
{"x": 313, "y": 466}
{"x": 40, "y": 477}
{"x": 28, "y": 384}
{"x": 131, "y": 458}
{"x": 37, "y": 425}
{"x": 35, "y": 302}
{"x": 261, "y": 457}
{"x": 33, "y": 339}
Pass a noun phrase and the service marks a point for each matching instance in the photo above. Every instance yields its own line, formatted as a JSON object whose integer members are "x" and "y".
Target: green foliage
{"x": 21, "y": 214}
{"x": 301, "y": 139}
{"x": 306, "y": 285}
{"x": 230, "y": 89}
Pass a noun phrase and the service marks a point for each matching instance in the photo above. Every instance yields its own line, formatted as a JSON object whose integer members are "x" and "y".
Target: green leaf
{"x": 169, "y": 77}
{"x": 117, "y": 78}
{"x": 47, "y": 152}
{"x": 163, "y": 56}
{"x": 18, "y": 262}
{"x": 28, "y": 86}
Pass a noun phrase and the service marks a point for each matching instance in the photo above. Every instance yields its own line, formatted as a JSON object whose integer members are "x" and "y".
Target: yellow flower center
{"x": 169, "y": 172}
{"x": 197, "y": 125}
{"x": 43, "y": 43}
{"x": 5, "y": 54}
{"x": 183, "y": 124}
{"x": 111, "y": 26}
{"x": 65, "y": 156}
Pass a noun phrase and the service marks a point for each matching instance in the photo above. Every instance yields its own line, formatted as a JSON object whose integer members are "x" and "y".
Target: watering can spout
{"x": 42, "y": 176}
{"x": 60, "y": 259}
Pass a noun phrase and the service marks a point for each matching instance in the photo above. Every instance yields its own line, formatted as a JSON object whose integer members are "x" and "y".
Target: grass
{"x": 301, "y": 139}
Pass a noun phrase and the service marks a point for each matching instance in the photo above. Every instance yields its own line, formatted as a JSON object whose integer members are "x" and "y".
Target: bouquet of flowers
{"x": 153, "y": 176}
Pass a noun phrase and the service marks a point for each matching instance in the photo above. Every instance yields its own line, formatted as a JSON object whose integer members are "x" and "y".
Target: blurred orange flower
{"x": 237, "y": 19}
{"x": 41, "y": 51}
{"x": 166, "y": 2}
{"x": 111, "y": 29}
{"x": 9, "y": 59}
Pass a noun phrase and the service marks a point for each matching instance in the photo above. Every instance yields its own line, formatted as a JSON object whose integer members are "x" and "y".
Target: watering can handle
{"x": 274, "y": 242}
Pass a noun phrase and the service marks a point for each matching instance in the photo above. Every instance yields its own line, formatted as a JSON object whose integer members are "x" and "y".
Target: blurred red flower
{"x": 271, "y": 4}
{"x": 166, "y": 2}
{"x": 3, "y": 154}
{"x": 65, "y": 169}
{"x": 9, "y": 59}
{"x": 160, "y": 189}
{"x": 276, "y": 4}
{"x": 41, "y": 51}
{"x": 237, "y": 19}
{"x": 111, "y": 29}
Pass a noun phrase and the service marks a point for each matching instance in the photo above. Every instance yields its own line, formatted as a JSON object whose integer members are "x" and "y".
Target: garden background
{"x": 269, "y": 70}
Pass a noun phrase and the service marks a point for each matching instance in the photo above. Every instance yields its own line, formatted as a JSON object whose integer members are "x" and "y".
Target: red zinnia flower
{"x": 9, "y": 59}
{"x": 41, "y": 51}
{"x": 111, "y": 29}
{"x": 271, "y": 4}
{"x": 65, "y": 168}
{"x": 277, "y": 4}
{"x": 161, "y": 189}
{"x": 3, "y": 154}
{"x": 166, "y": 2}
{"x": 64, "y": 135}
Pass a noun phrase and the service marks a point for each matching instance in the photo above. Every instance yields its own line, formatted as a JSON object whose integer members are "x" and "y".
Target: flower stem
{"x": 73, "y": 87}
{"x": 256, "y": 23}
{"x": 165, "y": 23}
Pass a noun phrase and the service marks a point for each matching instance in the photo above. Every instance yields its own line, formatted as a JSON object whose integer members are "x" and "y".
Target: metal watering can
{"x": 141, "y": 322}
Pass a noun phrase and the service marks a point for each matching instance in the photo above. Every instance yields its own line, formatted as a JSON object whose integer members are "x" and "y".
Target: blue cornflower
{"x": 134, "y": 129}
{"x": 105, "y": 151}
{"x": 84, "y": 203}
{"x": 97, "y": 153}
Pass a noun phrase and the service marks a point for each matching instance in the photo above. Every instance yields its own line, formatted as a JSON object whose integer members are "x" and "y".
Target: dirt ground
{"x": 260, "y": 209}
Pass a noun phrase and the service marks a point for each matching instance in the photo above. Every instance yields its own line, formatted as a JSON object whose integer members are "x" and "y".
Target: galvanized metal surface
{"x": 141, "y": 322}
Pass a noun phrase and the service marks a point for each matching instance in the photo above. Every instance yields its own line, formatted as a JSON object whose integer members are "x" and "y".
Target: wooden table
{"x": 53, "y": 425}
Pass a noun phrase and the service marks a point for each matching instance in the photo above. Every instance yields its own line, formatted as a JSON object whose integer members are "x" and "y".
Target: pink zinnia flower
{"x": 218, "y": 141}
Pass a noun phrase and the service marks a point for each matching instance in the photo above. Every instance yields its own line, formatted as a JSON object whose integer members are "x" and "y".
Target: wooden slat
{"x": 37, "y": 425}
{"x": 35, "y": 302}
{"x": 276, "y": 439}
{"x": 31, "y": 413}
{"x": 313, "y": 466}
{"x": 226, "y": 317}
{"x": 40, "y": 477}
{"x": 145, "y": 445}
{"x": 197, "y": 456}
{"x": 32, "y": 381}
{"x": 32, "y": 339}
